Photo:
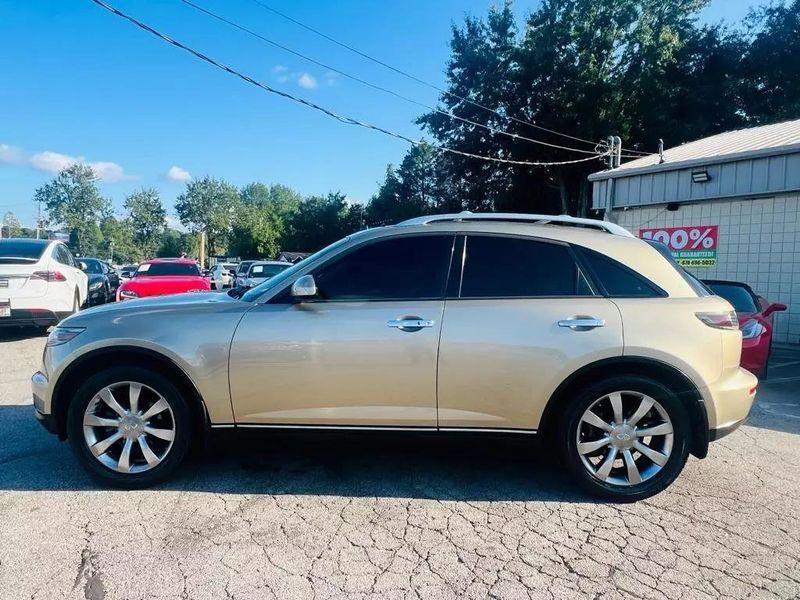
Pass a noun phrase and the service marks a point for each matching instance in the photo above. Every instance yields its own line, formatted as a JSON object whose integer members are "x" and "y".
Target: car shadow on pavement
{"x": 443, "y": 467}
{"x": 15, "y": 334}
{"x": 777, "y": 405}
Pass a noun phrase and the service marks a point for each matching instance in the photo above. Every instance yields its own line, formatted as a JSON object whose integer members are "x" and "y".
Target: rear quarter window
{"x": 615, "y": 279}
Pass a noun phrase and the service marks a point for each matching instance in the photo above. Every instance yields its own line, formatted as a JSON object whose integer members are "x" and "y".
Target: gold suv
{"x": 569, "y": 329}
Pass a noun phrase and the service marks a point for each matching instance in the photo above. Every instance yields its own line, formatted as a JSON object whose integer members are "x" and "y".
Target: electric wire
{"x": 385, "y": 90}
{"x": 414, "y": 77}
{"x": 330, "y": 113}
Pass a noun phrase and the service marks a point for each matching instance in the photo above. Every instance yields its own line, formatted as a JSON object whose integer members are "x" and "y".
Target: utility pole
{"x": 38, "y": 218}
{"x": 202, "y": 249}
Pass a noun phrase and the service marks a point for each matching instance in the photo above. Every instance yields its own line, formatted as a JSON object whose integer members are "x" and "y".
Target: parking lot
{"x": 278, "y": 516}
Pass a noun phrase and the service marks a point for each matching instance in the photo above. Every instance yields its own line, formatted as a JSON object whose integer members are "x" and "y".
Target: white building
{"x": 727, "y": 204}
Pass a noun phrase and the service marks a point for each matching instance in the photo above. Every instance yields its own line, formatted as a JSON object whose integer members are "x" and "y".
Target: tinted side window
{"x": 515, "y": 267}
{"x": 413, "y": 267}
{"x": 617, "y": 279}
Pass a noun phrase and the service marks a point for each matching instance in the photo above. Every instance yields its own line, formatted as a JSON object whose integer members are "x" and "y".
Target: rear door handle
{"x": 581, "y": 323}
{"x": 410, "y": 323}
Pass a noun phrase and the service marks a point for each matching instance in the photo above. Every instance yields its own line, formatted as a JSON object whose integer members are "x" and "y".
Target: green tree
{"x": 640, "y": 69}
{"x": 416, "y": 188}
{"x": 255, "y": 232}
{"x": 208, "y": 205}
{"x": 147, "y": 219}
{"x": 772, "y": 63}
{"x": 319, "y": 221}
{"x": 175, "y": 243}
{"x": 72, "y": 200}
{"x": 11, "y": 226}
{"x": 118, "y": 242}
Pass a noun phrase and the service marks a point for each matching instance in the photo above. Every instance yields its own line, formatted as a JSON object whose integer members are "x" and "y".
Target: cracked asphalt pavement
{"x": 282, "y": 516}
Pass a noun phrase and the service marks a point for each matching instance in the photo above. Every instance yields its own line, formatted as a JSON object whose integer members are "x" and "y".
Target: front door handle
{"x": 410, "y": 323}
{"x": 581, "y": 323}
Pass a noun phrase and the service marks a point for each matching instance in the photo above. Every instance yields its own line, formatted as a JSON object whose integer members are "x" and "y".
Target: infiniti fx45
{"x": 569, "y": 329}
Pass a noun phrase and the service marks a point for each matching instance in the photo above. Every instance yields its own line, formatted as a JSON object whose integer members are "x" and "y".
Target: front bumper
{"x": 729, "y": 400}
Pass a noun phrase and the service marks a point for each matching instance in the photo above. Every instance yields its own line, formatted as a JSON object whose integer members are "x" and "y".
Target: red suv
{"x": 755, "y": 321}
{"x": 162, "y": 276}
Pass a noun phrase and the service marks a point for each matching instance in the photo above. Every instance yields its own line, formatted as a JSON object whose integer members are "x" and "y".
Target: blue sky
{"x": 81, "y": 84}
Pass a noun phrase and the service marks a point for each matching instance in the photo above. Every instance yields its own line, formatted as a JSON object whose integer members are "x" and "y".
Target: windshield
{"x": 289, "y": 272}
{"x": 738, "y": 295}
{"x": 167, "y": 269}
{"x": 267, "y": 270}
{"x": 21, "y": 251}
{"x": 92, "y": 266}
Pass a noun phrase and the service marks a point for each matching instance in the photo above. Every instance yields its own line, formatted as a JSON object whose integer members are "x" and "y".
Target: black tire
{"x": 568, "y": 443}
{"x": 180, "y": 413}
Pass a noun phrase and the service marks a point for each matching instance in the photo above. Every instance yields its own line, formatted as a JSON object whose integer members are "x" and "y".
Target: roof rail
{"x": 606, "y": 226}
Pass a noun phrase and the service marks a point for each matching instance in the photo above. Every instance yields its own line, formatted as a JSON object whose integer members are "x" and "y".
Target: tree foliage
{"x": 72, "y": 200}
{"x": 11, "y": 225}
{"x": 208, "y": 205}
{"x": 147, "y": 220}
{"x": 641, "y": 69}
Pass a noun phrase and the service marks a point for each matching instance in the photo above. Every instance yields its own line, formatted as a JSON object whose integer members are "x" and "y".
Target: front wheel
{"x": 129, "y": 427}
{"x": 626, "y": 438}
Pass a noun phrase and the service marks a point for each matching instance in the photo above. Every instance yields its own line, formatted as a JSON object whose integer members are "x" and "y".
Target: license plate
{"x": 5, "y": 308}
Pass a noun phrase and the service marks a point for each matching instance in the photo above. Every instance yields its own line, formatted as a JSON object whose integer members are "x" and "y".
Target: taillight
{"x": 49, "y": 276}
{"x": 719, "y": 320}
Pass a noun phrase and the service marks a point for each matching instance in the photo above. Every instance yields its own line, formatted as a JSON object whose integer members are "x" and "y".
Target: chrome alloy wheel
{"x": 625, "y": 438}
{"x": 129, "y": 427}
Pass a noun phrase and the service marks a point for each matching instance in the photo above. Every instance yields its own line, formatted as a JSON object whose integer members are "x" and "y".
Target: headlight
{"x": 95, "y": 286}
{"x": 752, "y": 329}
{"x": 128, "y": 294}
{"x": 61, "y": 335}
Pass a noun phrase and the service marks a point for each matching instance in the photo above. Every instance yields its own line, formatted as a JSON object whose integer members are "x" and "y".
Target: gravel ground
{"x": 396, "y": 517}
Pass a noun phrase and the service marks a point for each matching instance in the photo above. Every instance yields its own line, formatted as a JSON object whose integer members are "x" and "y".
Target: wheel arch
{"x": 96, "y": 360}
{"x": 660, "y": 371}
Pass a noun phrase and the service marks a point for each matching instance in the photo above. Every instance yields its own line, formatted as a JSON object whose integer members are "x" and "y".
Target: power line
{"x": 414, "y": 77}
{"x": 330, "y": 113}
{"x": 375, "y": 86}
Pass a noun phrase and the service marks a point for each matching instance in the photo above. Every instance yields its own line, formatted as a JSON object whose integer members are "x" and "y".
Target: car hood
{"x": 159, "y": 304}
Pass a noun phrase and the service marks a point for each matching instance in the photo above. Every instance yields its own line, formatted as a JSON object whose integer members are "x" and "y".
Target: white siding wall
{"x": 759, "y": 244}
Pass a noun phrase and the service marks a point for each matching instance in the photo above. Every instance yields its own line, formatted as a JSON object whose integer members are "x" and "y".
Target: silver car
{"x": 567, "y": 329}
{"x": 260, "y": 271}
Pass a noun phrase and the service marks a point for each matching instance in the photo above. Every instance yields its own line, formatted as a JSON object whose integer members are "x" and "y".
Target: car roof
{"x": 185, "y": 261}
{"x": 271, "y": 262}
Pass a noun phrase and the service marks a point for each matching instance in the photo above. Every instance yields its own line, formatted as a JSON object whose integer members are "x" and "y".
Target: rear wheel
{"x": 129, "y": 427}
{"x": 626, "y": 438}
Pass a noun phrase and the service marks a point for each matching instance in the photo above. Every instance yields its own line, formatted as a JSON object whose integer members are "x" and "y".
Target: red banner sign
{"x": 692, "y": 246}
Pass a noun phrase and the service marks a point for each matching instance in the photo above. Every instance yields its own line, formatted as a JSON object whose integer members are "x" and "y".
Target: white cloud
{"x": 175, "y": 173}
{"x": 279, "y": 69}
{"x": 53, "y": 162}
{"x": 10, "y": 155}
{"x": 307, "y": 81}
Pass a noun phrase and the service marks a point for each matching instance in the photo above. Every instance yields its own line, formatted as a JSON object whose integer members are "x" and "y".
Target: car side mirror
{"x": 774, "y": 307}
{"x": 82, "y": 266}
{"x": 304, "y": 287}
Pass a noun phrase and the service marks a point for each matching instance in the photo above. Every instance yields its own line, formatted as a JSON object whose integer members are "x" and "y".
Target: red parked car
{"x": 755, "y": 321}
{"x": 162, "y": 276}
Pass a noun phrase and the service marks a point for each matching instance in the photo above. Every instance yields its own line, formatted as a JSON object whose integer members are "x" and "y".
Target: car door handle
{"x": 410, "y": 323}
{"x": 581, "y": 323}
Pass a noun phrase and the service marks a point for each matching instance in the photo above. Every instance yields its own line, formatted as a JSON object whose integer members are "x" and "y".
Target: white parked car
{"x": 222, "y": 275}
{"x": 40, "y": 283}
{"x": 260, "y": 271}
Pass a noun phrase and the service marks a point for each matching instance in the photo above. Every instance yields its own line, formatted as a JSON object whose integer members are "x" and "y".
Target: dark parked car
{"x": 103, "y": 281}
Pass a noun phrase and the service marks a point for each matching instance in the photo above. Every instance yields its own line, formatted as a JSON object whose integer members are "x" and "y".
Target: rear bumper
{"x": 721, "y": 432}
{"x": 729, "y": 400}
{"x": 31, "y": 317}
